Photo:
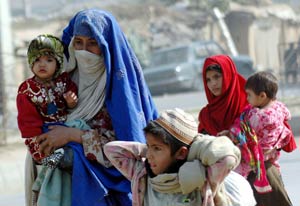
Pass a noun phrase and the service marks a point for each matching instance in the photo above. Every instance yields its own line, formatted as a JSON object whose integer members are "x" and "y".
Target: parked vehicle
{"x": 179, "y": 68}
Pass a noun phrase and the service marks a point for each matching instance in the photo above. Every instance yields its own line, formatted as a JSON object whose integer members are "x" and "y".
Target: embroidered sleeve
{"x": 126, "y": 156}
{"x": 93, "y": 140}
{"x": 33, "y": 148}
{"x": 93, "y": 146}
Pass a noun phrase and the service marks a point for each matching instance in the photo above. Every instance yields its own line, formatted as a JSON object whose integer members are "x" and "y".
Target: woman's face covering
{"x": 214, "y": 81}
{"x": 86, "y": 43}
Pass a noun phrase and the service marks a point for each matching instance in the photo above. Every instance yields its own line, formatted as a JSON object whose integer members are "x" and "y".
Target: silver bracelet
{"x": 53, "y": 160}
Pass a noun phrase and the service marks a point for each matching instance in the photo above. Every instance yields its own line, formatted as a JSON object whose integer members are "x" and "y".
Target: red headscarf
{"x": 220, "y": 112}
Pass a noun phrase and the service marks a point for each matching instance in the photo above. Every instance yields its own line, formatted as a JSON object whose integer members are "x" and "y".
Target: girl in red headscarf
{"x": 224, "y": 89}
{"x": 225, "y": 93}
{"x": 227, "y": 100}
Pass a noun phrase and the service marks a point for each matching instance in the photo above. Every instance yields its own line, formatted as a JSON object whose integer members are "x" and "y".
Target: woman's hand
{"x": 224, "y": 133}
{"x": 57, "y": 137}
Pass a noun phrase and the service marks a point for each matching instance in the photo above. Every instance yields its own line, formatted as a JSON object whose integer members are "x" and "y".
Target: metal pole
{"x": 225, "y": 31}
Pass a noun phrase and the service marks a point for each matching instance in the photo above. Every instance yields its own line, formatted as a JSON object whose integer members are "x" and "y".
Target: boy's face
{"x": 158, "y": 155}
{"x": 44, "y": 67}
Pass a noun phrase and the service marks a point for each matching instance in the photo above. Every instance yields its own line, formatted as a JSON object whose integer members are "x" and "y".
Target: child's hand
{"x": 71, "y": 99}
{"x": 224, "y": 133}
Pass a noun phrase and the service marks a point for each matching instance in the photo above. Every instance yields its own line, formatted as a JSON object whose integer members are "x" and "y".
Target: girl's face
{"x": 87, "y": 44}
{"x": 158, "y": 155}
{"x": 214, "y": 82}
{"x": 44, "y": 67}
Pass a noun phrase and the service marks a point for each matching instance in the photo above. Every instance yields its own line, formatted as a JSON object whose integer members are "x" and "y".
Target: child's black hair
{"x": 263, "y": 82}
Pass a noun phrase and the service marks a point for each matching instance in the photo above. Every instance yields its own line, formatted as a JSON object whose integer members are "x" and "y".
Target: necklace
{"x": 51, "y": 106}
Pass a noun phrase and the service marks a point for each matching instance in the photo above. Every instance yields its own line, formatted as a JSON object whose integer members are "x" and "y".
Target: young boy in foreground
{"x": 178, "y": 166}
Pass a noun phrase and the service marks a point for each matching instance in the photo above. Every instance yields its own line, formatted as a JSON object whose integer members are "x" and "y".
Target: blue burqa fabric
{"x": 128, "y": 101}
{"x": 91, "y": 182}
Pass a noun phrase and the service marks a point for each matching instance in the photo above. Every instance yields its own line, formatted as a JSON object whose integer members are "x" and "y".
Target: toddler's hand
{"x": 71, "y": 99}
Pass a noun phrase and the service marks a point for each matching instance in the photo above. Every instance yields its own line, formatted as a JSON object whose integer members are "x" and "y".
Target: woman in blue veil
{"x": 114, "y": 101}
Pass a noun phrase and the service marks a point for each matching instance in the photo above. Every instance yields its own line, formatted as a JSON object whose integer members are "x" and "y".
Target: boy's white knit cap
{"x": 179, "y": 124}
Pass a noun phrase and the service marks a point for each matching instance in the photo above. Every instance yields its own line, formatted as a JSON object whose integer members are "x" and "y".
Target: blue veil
{"x": 128, "y": 99}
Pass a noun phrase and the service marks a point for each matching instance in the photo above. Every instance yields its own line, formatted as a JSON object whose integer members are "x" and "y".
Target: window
{"x": 176, "y": 55}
